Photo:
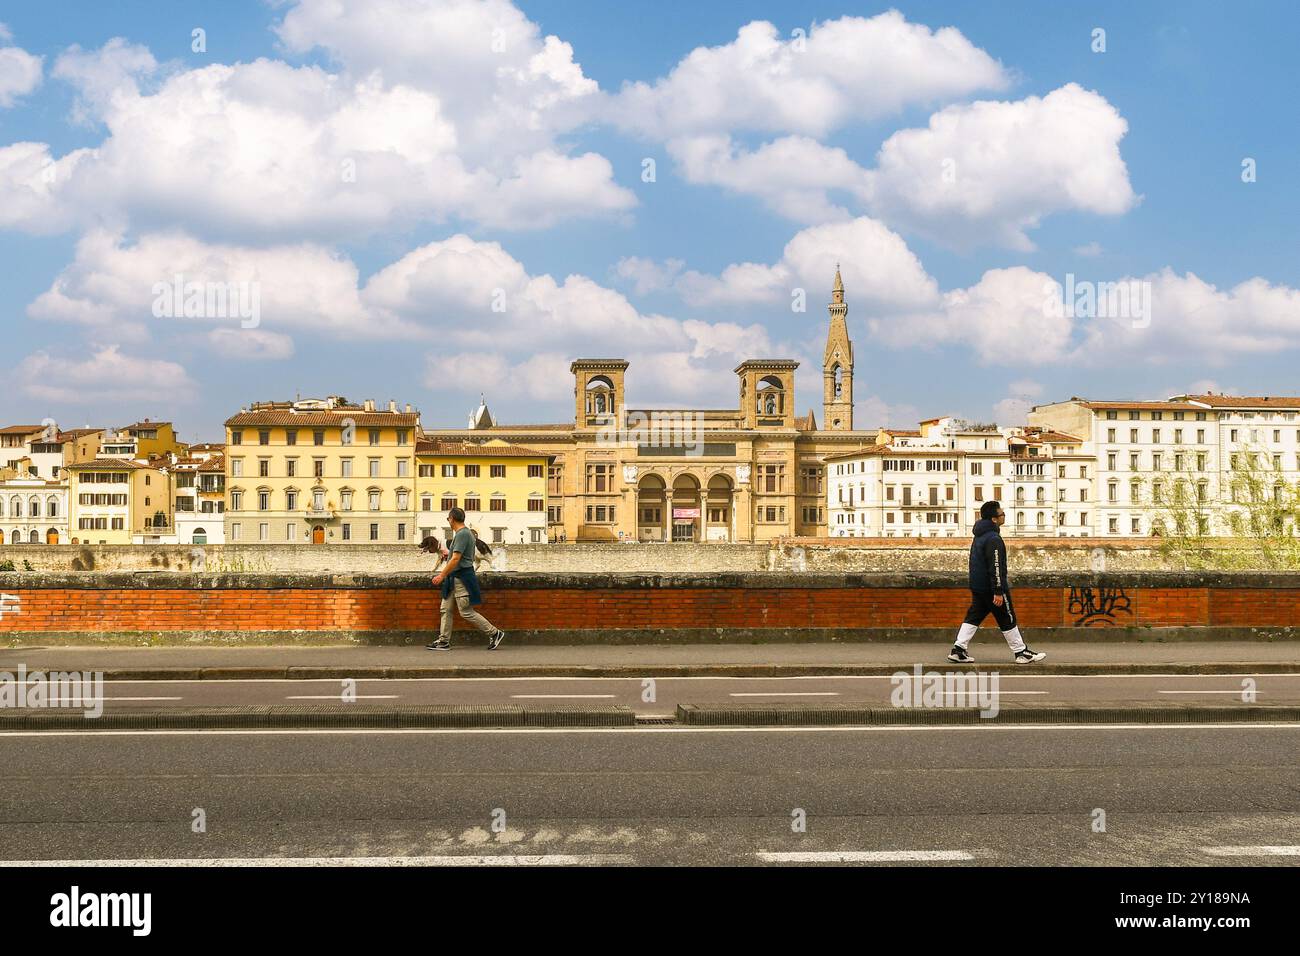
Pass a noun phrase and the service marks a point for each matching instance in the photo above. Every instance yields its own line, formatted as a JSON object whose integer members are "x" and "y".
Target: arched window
{"x": 1042, "y": 496}
{"x": 770, "y": 396}
{"x": 1042, "y": 521}
{"x": 600, "y": 395}
{"x": 839, "y": 382}
{"x": 1020, "y": 496}
{"x": 16, "y": 508}
{"x": 14, "y": 537}
{"x": 52, "y": 508}
{"x": 1020, "y": 519}
{"x": 34, "y": 537}
{"x": 200, "y": 536}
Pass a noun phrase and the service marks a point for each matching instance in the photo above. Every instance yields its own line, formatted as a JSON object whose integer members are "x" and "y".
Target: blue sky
{"x": 507, "y": 169}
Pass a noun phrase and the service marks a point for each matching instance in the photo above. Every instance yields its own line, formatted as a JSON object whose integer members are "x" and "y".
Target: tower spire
{"x": 837, "y": 365}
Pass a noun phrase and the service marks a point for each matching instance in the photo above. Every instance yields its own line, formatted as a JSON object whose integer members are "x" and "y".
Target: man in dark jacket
{"x": 990, "y": 590}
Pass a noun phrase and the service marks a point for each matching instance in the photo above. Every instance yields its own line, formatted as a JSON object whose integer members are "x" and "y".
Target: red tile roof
{"x": 1245, "y": 401}
{"x": 107, "y": 464}
{"x": 1141, "y": 406}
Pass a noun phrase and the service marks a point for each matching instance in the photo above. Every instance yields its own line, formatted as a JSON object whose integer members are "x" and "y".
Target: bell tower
{"x": 837, "y": 365}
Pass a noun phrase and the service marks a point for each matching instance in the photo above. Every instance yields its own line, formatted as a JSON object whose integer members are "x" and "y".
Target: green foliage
{"x": 1243, "y": 518}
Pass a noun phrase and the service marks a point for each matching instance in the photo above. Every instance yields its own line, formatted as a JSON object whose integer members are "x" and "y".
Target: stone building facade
{"x": 751, "y": 473}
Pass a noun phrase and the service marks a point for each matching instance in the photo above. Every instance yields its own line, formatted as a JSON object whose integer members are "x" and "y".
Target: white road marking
{"x": 1251, "y": 850}
{"x": 340, "y": 699}
{"x": 561, "y": 696}
{"x": 135, "y": 698}
{"x": 1000, "y": 692}
{"x": 1238, "y": 692}
{"x": 866, "y": 856}
{"x": 650, "y": 729}
{"x": 902, "y": 668}
{"x": 545, "y": 859}
{"x": 791, "y": 693}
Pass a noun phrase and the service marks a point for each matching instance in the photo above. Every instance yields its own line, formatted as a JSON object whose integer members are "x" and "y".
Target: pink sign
{"x": 686, "y": 512}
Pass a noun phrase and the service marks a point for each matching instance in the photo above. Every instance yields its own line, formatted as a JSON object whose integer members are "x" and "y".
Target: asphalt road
{"x": 1174, "y": 795}
{"x": 664, "y": 694}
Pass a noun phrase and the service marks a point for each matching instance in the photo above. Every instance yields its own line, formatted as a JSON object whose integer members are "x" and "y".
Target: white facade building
{"x": 932, "y": 482}
{"x": 34, "y": 510}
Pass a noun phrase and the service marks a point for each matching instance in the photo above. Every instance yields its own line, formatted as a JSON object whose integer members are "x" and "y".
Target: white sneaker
{"x": 1026, "y": 656}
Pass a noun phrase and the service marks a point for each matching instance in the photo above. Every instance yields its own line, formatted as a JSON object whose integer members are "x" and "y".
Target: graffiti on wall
{"x": 10, "y": 604}
{"x": 1098, "y": 606}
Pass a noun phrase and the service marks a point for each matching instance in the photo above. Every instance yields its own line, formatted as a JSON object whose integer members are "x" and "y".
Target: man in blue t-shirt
{"x": 459, "y": 586}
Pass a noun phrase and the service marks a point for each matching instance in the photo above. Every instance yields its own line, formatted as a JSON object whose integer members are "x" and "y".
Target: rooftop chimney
{"x": 369, "y": 405}
{"x": 392, "y": 404}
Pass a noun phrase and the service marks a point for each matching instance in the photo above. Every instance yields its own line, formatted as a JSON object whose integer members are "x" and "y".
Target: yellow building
{"x": 118, "y": 501}
{"x": 320, "y": 471}
{"x": 143, "y": 440}
{"x": 749, "y": 473}
{"x": 501, "y": 487}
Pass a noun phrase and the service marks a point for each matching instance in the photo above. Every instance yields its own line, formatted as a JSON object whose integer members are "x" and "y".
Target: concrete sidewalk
{"x": 473, "y": 660}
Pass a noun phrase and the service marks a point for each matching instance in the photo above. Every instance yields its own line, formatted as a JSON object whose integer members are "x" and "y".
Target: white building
{"x": 200, "y": 490}
{"x": 16, "y": 443}
{"x": 1141, "y": 450}
{"x": 33, "y": 510}
{"x": 933, "y": 481}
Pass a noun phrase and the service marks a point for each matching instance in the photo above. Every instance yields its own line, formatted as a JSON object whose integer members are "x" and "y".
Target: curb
{"x": 395, "y": 672}
{"x": 706, "y": 715}
{"x": 325, "y": 716}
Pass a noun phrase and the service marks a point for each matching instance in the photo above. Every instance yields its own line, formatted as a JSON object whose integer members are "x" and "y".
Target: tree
{"x": 1246, "y": 520}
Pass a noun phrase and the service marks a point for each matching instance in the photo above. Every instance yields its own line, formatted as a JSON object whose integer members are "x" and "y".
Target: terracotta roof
{"x": 127, "y": 428}
{"x": 72, "y": 434}
{"x": 903, "y": 432}
{"x": 334, "y": 417}
{"x": 447, "y": 449}
{"x": 1245, "y": 401}
{"x": 1141, "y": 406}
{"x": 21, "y": 429}
{"x": 215, "y": 463}
{"x": 1056, "y": 437}
{"x": 106, "y": 464}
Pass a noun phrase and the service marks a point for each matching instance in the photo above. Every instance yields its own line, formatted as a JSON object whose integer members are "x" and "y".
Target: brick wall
{"x": 571, "y": 608}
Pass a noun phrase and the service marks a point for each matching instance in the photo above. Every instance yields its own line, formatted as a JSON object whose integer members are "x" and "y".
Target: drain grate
{"x": 653, "y": 720}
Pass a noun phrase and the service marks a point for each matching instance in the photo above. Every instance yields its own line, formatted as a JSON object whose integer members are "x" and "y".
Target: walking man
{"x": 990, "y": 590}
{"x": 459, "y": 586}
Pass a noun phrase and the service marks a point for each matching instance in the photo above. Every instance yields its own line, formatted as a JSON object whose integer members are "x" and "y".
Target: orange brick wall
{"x": 633, "y": 607}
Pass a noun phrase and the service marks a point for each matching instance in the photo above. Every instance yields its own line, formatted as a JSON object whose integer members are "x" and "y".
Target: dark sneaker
{"x": 495, "y": 640}
{"x": 958, "y": 655}
{"x": 438, "y": 645}
{"x": 1027, "y": 656}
